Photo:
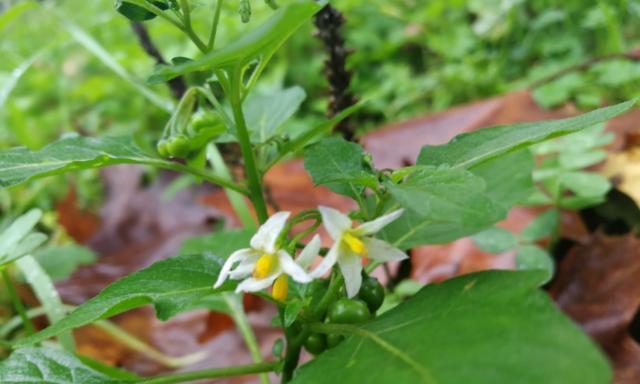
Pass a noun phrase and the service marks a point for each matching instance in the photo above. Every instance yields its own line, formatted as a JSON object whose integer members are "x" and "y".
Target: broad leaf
{"x": 495, "y": 240}
{"x": 473, "y": 148}
{"x": 508, "y": 178}
{"x": 18, "y": 165}
{"x": 441, "y": 205}
{"x": 542, "y": 226}
{"x": 48, "y": 365}
{"x": 172, "y": 286}
{"x": 340, "y": 165}
{"x": 265, "y": 114}
{"x": 485, "y": 328}
{"x": 60, "y": 262}
{"x": 533, "y": 257}
{"x": 259, "y": 44}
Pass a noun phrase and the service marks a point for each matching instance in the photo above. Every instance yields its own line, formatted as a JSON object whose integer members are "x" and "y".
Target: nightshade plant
{"x": 490, "y": 327}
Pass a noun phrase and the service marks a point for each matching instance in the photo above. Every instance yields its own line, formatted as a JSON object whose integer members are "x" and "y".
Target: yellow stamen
{"x": 280, "y": 288}
{"x": 265, "y": 265}
{"x": 355, "y": 244}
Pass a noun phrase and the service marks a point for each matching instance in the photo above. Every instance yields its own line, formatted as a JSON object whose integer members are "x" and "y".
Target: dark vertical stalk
{"x": 177, "y": 85}
{"x": 329, "y": 22}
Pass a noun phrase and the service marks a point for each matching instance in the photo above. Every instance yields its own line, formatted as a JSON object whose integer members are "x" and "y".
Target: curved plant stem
{"x": 242, "y": 323}
{"x": 17, "y": 303}
{"x": 253, "y": 175}
{"x": 240, "y": 370}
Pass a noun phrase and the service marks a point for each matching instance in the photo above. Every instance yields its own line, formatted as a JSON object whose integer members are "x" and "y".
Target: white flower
{"x": 263, "y": 264}
{"x": 352, "y": 244}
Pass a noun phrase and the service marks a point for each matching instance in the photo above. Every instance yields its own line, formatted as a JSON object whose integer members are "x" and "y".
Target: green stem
{"x": 199, "y": 173}
{"x": 332, "y": 291}
{"x": 17, "y": 303}
{"x": 240, "y": 370}
{"x": 251, "y": 168}
{"x": 242, "y": 324}
{"x": 214, "y": 25}
{"x": 236, "y": 199}
{"x": 293, "y": 349}
{"x": 188, "y": 29}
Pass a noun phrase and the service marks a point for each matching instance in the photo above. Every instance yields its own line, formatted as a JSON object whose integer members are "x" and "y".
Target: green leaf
{"x": 340, "y": 165}
{"x": 543, "y": 226}
{"x": 441, "y": 205}
{"x": 16, "y": 240}
{"x": 106, "y": 58}
{"x": 173, "y": 285}
{"x": 136, "y": 12}
{"x": 532, "y": 257}
{"x": 291, "y": 311}
{"x": 61, "y": 261}
{"x": 48, "y": 365}
{"x": 585, "y": 184}
{"x": 47, "y": 295}
{"x": 473, "y": 148}
{"x": 485, "y": 328}
{"x": 507, "y": 178}
{"x": 257, "y": 45}
{"x": 495, "y": 240}
{"x": 18, "y": 165}
{"x": 265, "y": 113}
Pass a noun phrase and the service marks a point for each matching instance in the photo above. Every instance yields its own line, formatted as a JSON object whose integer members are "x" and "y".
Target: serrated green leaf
{"x": 173, "y": 285}
{"x": 18, "y": 165}
{"x": 441, "y": 205}
{"x": 495, "y": 240}
{"x": 532, "y": 257}
{"x": 48, "y": 365}
{"x": 259, "y": 44}
{"x": 542, "y": 226}
{"x": 473, "y": 148}
{"x": 340, "y": 165}
{"x": 485, "y": 328}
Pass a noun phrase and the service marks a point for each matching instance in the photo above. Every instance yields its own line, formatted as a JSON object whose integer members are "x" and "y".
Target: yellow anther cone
{"x": 355, "y": 244}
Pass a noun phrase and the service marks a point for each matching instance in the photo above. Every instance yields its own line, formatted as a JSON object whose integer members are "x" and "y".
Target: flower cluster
{"x": 266, "y": 263}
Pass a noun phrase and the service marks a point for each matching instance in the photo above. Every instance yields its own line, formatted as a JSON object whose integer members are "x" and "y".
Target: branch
{"x": 177, "y": 84}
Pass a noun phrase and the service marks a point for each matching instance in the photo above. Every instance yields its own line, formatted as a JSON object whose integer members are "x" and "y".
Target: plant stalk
{"x": 240, "y": 370}
{"x": 251, "y": 168}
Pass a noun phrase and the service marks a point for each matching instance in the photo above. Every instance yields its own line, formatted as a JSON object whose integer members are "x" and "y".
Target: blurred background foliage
{"x": 77, "y": 66}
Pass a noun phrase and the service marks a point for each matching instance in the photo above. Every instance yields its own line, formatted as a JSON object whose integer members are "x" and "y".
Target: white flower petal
{"x": 328, "y": 262}
{"x": 242, "y": 271}
{"x": 292, "y": 268}
{"x": 351, "y": 268}
{"x": 309, "y": 252}
{"x": 379, "y": 250}
{"x": 236, "y": 256}
{"x": 265, "y": 239}
{"x": 371, "y": 227}
{"x": 334, "y": 221}
{"x": 254, "y": 285}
